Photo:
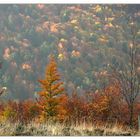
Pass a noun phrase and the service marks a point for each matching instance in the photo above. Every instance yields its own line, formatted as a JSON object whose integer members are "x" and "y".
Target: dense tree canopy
{"x": 83, "y": 38}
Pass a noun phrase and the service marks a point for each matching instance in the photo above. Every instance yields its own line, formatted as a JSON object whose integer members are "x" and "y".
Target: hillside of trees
{"x": 83, "y": 38}
{"x": 70, "y": 63}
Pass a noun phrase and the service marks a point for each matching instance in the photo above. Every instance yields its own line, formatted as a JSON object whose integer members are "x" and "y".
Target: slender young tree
{"x": 127, "y": 73}
{"x": 52, "y": 87}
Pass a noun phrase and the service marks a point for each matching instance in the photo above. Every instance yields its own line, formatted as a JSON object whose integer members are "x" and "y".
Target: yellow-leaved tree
{"x": 52, "y": 88}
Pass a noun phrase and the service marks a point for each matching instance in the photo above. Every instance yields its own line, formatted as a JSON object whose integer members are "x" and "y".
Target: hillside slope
{"x": 83, "y": 38}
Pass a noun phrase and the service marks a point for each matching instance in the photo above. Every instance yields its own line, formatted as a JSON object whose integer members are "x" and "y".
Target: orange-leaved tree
{"x": 52, "y": 88}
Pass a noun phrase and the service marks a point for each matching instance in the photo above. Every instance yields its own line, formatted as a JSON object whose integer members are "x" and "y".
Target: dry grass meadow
{"x": 56, "y": 129}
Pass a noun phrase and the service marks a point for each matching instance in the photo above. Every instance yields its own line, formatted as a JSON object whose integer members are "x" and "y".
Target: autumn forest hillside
{"x": 69, "y": 65}
{"x": 84, "y": 39}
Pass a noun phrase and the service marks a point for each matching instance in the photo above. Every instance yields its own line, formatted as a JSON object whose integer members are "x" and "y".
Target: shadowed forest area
{"x": 69, "y": 69}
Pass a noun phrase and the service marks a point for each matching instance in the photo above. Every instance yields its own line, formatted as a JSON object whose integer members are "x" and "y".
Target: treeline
{"x": 107, "y": 105}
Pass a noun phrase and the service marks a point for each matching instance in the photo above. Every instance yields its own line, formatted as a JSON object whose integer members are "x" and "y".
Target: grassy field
{"x": 9, "y": 129}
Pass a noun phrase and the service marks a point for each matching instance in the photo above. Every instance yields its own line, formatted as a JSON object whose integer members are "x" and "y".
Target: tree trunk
{"x": 131, "y": 116}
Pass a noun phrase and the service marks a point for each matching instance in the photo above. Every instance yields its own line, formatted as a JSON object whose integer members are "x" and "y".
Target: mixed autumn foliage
{"x": 83, "y": 38}
{"x": 53, "y": 104}
{"x": 96, "y": 50}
